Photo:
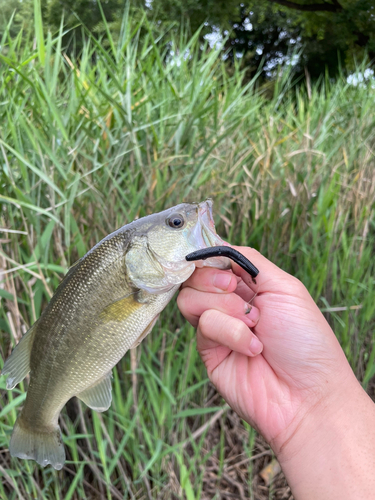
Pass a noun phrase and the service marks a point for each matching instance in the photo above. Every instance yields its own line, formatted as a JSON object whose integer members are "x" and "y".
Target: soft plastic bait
{"x": 222, "y": 251}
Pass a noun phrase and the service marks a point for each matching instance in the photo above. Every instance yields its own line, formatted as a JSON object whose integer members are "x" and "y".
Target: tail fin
{"x": 43, "y": 447}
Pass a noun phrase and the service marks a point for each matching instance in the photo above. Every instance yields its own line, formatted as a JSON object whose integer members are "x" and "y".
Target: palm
{"x": 253, "y": 397}
{"x": 271, "y": 386}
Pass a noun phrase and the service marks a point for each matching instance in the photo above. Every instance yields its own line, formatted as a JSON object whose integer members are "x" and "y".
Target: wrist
{"x": 331, "y": 452}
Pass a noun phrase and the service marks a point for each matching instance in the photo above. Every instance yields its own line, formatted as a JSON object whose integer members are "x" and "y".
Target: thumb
{"x": 270, "y": 278}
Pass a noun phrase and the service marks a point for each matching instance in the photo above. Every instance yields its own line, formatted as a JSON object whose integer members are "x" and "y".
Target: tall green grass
{"x": 130, "y": 128}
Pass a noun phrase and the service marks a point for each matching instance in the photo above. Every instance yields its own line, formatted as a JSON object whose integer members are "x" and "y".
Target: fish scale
{"x": 107, "y": 303}
{"x": 112, "y": 332}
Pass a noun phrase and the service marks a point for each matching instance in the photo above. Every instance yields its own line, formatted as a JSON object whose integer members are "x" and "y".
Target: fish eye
{"x": 176, "y": 221}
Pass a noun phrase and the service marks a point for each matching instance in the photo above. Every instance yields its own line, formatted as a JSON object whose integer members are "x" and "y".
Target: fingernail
{"x": 247, "y": 307}
{"x": 251, "y": 312}
{"x": 222, "y": 280}
{"x": 256, "y": 346}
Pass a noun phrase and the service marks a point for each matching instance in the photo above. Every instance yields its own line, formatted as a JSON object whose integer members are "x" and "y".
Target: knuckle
{"x": 250, "y": 252}
{"x": 229, "y": 301}
{"x": 254, "y": 252}
{"x": 206, "y": 321}
{"x": 299, "y": 286}
{"x": 183, "y": 298}
{"x": 237, "y": 331}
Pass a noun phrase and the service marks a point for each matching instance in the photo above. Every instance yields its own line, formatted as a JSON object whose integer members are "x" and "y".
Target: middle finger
{"x": 192, "y": 303}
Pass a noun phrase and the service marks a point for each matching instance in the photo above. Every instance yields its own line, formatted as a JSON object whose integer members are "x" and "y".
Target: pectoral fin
{"x": 145, "y": 332}
{"x": 17, "y": 366}
{"x": 98, "y": 396}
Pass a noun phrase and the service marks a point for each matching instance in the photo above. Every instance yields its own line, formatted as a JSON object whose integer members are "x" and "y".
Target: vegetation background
{"x": 328, "y": 34}
{"x": 115, "y": 123}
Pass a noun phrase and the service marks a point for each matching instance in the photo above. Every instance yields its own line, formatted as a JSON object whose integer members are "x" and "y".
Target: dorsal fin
{"x": 72, "y": 268}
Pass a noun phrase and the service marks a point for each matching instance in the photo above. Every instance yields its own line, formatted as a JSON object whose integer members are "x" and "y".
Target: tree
{"x": 79, "y": 13}
{"x": 327, "y": 31}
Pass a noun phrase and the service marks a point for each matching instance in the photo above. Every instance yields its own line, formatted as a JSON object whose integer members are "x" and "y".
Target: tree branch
{"x": 313, "y": 7}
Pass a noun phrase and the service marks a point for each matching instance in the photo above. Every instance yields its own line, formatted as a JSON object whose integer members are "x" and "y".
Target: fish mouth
{"x": 209, "y": 237}
{"x": 205, "y": 236}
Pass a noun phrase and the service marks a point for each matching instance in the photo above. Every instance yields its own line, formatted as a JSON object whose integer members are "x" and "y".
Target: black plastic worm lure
{"x": 229, "y": 252}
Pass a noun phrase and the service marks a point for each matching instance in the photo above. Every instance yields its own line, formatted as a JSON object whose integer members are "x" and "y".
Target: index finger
{"x": 208, "y": 279}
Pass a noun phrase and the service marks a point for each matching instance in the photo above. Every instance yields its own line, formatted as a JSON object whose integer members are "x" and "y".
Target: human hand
{"x": 301, "y": 368}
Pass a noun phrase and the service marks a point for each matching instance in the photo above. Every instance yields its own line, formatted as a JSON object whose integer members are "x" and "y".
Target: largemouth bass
{"x": 106, "y": 304}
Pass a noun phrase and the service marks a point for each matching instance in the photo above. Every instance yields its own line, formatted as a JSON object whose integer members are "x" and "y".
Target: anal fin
{"x": 99, "y": 395}
{"x": 17, "y": 366}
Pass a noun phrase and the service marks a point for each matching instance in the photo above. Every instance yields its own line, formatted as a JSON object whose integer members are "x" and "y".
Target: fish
{"x": 106, "y": 304}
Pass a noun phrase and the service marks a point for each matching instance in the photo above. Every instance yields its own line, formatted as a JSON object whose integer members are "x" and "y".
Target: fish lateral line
{"x": 223, "y": 251}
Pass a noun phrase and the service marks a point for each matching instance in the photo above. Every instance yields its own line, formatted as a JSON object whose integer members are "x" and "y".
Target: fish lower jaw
{"x": 215, "y": 262}
{"x": 199, "y": 264}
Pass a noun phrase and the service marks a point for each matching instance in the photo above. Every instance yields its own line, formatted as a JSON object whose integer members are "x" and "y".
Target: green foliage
{"x": 132, "y": 128}
{"x": 81, "y": 15}
{"x": 18, "y": 15}
{"x": 267, "y": 30}
{"x": 329, "y": 35}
